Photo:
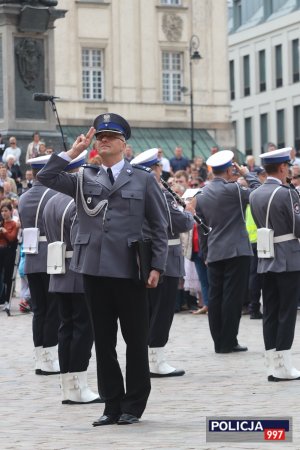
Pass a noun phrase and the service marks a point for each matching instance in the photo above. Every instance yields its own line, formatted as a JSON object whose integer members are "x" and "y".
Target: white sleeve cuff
{"x": 65, "y": 156}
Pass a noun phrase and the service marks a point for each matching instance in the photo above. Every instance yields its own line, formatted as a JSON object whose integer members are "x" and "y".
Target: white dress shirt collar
{"x": 116, "y": 168}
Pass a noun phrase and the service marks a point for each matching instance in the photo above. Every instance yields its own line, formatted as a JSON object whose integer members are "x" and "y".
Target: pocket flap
{"x": 136, "y": 195}
{"x": 82, "y": 238}
{"x": 92, "y": 189}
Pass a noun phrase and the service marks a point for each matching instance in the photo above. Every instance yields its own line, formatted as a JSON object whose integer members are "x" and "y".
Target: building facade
{"x": 133, "y": 58}
{"x": 264, "y": 67}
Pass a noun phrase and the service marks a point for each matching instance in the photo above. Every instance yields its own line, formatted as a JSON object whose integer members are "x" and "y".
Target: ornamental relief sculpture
{"x": 172, "y": 26}
{"x": 28, "y": 57}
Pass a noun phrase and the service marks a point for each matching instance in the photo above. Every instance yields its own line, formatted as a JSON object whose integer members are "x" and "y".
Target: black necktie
{"x": 110, "y": 175}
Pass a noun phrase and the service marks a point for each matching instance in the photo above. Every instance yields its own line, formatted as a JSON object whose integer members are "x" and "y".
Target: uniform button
{"x": 108, "y": 219}
{"x": 131, "y": 195}
{"x": 110, "y": 208}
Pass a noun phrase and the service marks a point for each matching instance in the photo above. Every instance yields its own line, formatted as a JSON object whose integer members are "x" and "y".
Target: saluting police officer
{"x": 162, "y": 299}
{"x": 75, "y": 337}
{"x": 281, "y": 272}
{"x": 222, "y": 206}
{"x": 45, "y": 320}
{"x": 112, "y": 205}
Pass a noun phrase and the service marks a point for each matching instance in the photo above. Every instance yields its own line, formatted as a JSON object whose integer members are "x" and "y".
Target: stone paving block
{"x": 32, "y": 416}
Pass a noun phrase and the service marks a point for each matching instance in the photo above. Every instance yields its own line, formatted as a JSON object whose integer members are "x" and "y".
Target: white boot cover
{"x": 79, "y": 392}
{"x": 50, "y": 364}
{"x": 283, "y": 367}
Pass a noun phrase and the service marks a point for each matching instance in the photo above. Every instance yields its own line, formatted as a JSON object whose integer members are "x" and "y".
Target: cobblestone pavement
{"x": 32, "y": 416}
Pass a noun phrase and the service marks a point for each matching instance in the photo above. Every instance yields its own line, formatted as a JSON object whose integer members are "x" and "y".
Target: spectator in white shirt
{"x": 12, "y": 150}
{"x": 166, "y": 169}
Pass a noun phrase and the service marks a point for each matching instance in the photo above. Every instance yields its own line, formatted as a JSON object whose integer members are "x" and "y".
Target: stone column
{"x": 26, "y": 67}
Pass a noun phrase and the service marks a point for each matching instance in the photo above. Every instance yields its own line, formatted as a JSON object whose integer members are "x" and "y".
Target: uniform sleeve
{"x": 253, "y": 183}
{"x": 54, "y": 177}
{"x": 45, "y": 224}
{"x": 295, "y": 211}
{"x": 155, "y": 213}
{"x": 182, "y": 221}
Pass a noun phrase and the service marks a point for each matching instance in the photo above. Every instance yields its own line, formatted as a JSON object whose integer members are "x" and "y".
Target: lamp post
{"x": 194, "y": 57}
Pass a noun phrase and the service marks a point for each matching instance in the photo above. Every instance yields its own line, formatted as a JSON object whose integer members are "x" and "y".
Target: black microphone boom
{"x": 42, "y": 97}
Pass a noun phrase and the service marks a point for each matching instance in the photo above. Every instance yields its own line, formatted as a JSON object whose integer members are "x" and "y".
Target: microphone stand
{"x": 57, "y": 117}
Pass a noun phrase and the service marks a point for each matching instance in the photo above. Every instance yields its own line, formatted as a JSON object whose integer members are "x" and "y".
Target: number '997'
{"x": 271, "y": 434}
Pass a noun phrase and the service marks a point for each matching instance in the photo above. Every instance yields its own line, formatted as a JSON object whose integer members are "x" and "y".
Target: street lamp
{"x": 194, "y": 57}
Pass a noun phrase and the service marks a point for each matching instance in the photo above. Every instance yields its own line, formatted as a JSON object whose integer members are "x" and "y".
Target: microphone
{"x": 42, "y": 97}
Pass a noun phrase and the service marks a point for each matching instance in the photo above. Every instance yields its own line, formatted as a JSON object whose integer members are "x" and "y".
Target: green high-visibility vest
{"x": 250, "y": 225}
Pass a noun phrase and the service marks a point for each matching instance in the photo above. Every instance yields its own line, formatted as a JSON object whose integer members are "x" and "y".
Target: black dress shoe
{"x": 106, "y": 420}
{"x": 127, "y": 419}
{"x": 175, "y": 373}
{"x": 239, "y": 348}
{"x": 256, "y": 315}
{"x": 96, "y": 400}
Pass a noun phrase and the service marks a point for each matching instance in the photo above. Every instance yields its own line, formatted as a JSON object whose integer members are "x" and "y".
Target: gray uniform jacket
{"x": 179, "y": 222}
{"x": 70, "y": 282}
{"x": 222, "y": 206}
{"x": 28, "y": 204}
{"x": 284, "y": 212}
{"x": 103, "y": 243}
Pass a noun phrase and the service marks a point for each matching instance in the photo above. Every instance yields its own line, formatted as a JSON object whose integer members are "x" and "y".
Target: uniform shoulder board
{"x": 139, "y": 166}
{"x": 90, "y": 166}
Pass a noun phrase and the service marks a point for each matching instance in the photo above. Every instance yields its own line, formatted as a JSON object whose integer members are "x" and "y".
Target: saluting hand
{"x": 81, "y": 143}
{"x": 153, "y": 279}
{"x": 242, "y": 170}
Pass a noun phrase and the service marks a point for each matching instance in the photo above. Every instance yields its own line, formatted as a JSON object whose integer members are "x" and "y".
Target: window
{"x": 268, "y": 8}
{"x": 278, "y": 66}
{"x": 248, "y": 135}
{"x": 235, "y": 131}
{"x": 246, "y": 67}
{"x": 92, "y": 74}
{"x": 170, "y": 2}
{"x": 295, "y": 60}
{"x": 232, "y": 84}
{"x": 280, "y": 128}
{"x": 263, "y": 131}
{"x": 172, "y": 76}
{"x": 297, "y": 126}
{"x": 262, "y": 70}
{"x": 237, "y": 13}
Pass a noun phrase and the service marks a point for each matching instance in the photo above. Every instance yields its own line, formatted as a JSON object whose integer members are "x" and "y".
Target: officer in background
{"x": 75, "y": 337}
{"x": 162, "y": 299}
{"x": 222, "y": 205}
{"x": 112, "y": 204}
{"x": 281, "y": 273}
{"x": 45, "y": 320}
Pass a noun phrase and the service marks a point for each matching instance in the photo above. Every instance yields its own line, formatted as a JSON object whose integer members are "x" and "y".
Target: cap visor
{"x": 108, "y": 131}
